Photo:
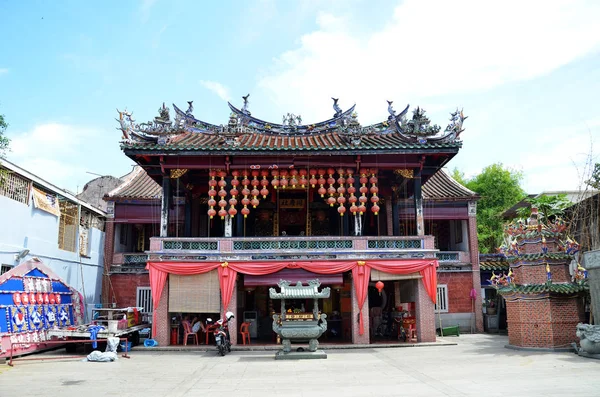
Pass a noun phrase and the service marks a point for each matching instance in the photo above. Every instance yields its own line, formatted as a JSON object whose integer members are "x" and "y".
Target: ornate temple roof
{"x": 442, "y": 186}
{"x": 299, "y": 291}
{"x": 138, "y": 185}
{"x": 245, "y": 133}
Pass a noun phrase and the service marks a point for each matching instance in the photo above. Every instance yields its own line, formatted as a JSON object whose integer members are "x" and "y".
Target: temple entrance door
{"x": 292, "y": 213}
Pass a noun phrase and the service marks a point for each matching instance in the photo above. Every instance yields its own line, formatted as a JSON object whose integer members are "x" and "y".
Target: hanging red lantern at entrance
{"x": 313, "y": 179}
{"x": 283, "y": 179}
{"x": 254, "y": 202}
{"x": 331, "y": 201}
{"x": 293, "y": 178}
{"x": 275, "y": 181}
{"x": 264, "y": 183}
{"x": 245, "y": 212}
{"x": 341, "y": 209}
{"x": 232, "y": 211}
{"x": 379, "y": 285}
{"x": 222, "y": 213}
{"x": 321, "y": 182}
{"x": 303, "y": 181}
{"x": 235, "y": 183}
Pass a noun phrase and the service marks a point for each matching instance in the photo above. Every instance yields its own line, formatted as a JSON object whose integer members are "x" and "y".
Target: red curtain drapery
{"x": 361, "y": 271}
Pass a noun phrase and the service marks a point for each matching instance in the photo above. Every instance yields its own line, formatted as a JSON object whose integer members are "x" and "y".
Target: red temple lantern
{"x": 245, "y": 212}
{"x": 375, "y": 209}
{"x": 321, "y": 181}
{"x": 331, "y": 200}
{"x": 303, "y": 180}
{"x": 275, "y": 181}
{"x": 254, "y": 202}
{"x": 212, "y": 213}
{"x": 313, "y": 179}
{"x": 379, "y": 285}
{"x": 264, "y": 192}
{"x": 264, "y": 183}
{"x": 232, "y": 211}
{"x": 341, "y": 209}
{"x": 322, "y": 191}
{"x": 283, "y": 182}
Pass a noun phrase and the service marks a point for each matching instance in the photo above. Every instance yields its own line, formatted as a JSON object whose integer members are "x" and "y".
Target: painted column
{"x": 474, "y": 256}
{"x": 233, "y": 324}
{"x": 163, "y": 325}
{"x": 418, "y": 197}
{"x": 389, "y": 215}
{"x": 164, "y": 207}
{"x": 426, "y": 317}
{"x": 109, "y": 244}
{"x": 395, "y": 215}
{"x": 188, "y": 216}
{"x": 358, "y": 339}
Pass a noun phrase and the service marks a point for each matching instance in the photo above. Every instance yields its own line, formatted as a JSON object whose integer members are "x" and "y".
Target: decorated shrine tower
{"x": 545, "y": 286}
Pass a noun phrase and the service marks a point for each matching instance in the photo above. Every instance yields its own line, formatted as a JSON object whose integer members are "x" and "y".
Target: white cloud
{"x": 62, "y": 153}
{"x": 3, "y": 71}
{"x": 427, "y": 49}
{"x": 217, "y": 88}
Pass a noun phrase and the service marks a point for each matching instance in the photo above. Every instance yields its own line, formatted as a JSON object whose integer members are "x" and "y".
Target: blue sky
{"x": 526, "y": 73}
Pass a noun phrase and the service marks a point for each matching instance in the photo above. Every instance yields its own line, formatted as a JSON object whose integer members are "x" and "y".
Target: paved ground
{"x": 478, "y": 365}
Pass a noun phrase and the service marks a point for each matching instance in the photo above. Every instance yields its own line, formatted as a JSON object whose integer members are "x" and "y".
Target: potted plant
{"x": 490, "y": 306}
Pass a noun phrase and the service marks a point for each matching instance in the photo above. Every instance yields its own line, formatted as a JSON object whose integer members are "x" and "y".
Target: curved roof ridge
{"x": 441, "y": 186}
{"x": 458, "y": 184}
{"x": 127, "y": 180}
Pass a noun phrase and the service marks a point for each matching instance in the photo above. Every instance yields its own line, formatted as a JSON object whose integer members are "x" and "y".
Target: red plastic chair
{"x": 245, "y": 331}
{"x": 210, "y": 330}
{"x": 187, "y": 332}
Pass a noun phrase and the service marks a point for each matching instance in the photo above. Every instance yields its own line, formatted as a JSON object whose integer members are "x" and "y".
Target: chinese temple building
{"x": 216, "y": 214}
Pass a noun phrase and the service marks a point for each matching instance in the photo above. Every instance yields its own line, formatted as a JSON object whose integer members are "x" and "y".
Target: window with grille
{"x": 14, "y": 186}
{"x": 144, "y": 299}
{"x": 442, "y": 299}
{"x": 67, "y": 230}
{"x": 5, "y": 268}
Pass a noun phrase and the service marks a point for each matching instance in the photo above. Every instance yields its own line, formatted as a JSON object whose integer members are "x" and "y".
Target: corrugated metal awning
{"x": 293, "y": 276}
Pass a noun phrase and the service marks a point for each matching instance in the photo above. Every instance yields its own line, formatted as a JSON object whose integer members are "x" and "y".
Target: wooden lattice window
{"x": 67, "y": 230}
{"x": 14, "y": 186}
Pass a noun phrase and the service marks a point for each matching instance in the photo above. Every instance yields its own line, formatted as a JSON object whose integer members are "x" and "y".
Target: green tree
{"x": 500, "y": 189}
{"x": 4, "y": 141}
{"x": 594, "y": 180}
{"x": 548, "y": 206}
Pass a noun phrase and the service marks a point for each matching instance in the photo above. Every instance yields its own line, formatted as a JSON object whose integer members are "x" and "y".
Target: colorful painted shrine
{"x": 32, "y": 300}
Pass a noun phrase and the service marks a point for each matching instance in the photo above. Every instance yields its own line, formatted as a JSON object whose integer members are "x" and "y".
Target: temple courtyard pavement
{"x": 477, "y": 365}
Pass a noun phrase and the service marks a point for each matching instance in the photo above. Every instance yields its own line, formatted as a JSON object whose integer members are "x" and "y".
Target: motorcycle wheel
{"x": 221, "y": 350}
{"x": 229, "y": 347}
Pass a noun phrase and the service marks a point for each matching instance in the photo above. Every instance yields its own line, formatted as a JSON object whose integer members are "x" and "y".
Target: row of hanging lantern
{"x": 282, "y": 179}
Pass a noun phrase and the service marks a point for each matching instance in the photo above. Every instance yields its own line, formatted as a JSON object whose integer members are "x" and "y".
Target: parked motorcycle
{"x": 221, "y": 333}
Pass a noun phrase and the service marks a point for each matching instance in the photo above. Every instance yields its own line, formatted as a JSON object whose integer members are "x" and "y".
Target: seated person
{"x": 197, "y": 325}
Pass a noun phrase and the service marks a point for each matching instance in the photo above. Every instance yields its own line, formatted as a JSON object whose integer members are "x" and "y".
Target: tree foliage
{"x": 594, "y": 180}
{"x": 548, "y": 207}
{"x": 500, "y": 189}
{"x": 4, "y": 141}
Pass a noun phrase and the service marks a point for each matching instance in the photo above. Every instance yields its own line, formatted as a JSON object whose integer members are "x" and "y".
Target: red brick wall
{"x": 459, "y": 288}
{"x": 545, "y": 323}
{"x": 425, "y": 314}
{"x": 125, "y": 287}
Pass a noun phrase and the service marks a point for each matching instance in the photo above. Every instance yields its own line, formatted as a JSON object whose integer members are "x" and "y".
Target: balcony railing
{"x": 290, "y": 248}
{"x": 129, "y": 262}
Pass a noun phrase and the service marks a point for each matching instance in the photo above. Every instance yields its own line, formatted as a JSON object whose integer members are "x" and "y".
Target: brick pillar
{"x": 474, "y": 256}
{"x": 109, "y": 244}
{"x": 163, "y": 325}
{"x": 356, "y": 338}
{"x": 425, "y": 314}
{"x": 233, "y": 324}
